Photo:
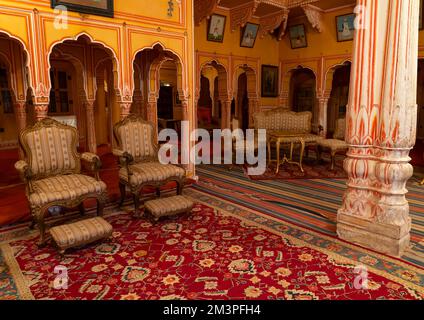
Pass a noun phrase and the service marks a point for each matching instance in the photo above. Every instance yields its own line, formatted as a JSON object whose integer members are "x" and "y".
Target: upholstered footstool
{"x": 80, "y": 233}
{"x": 334, "y": 146}
{"x": 170, "y": 206}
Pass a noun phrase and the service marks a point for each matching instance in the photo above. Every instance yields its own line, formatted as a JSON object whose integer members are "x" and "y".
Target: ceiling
{"x": 274, "y": 5}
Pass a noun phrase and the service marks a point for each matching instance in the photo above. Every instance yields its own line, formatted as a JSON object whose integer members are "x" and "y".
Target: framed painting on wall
{"x": 216, "y": 28}
{"x": 96, "y": 7}
{"x": 298, "y": 36}
{"x": 345, "y": 27}
{"x": 248, "y": 35}
{"x": 269, "y": 81}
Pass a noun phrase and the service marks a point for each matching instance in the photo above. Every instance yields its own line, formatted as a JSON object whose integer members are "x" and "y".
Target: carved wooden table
{"x": 285, "y": 138}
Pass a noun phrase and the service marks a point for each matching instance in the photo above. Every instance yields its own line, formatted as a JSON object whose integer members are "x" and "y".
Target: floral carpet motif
{"x": 312, "y": 170}
{"x": 210, "y": 254}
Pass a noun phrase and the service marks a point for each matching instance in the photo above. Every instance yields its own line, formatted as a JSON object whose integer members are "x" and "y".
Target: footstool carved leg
{"x": 100, "y": 206}
{"x": 81, "y": 209}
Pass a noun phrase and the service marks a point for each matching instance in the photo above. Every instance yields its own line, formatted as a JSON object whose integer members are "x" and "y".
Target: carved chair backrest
{"x": 136, "y": 136}
{"x": 50, "y": 149}
{"x": 281, "y": 119}
{"x": 340, "y": 130}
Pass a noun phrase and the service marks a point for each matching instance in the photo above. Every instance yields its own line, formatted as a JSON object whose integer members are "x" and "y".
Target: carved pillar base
{"x": 385, "y": 238}
{"x": 41, "y": 111}
{"x": 375, "y": 212}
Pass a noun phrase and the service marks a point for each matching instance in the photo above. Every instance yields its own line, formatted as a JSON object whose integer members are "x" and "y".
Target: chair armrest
{"x": 94, "y": 161}
{"x": 25, "y": 173}
{"x": 125, "y": 159}
{"x": 123, "y": 156}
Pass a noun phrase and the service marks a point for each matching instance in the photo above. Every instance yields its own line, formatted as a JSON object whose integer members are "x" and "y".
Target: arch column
{"x": 225, "y": 112}
{"x": 322, "y": 113}
{"x": 125, "y": 108}
{"x": 381, "y": 127}
{"x": 91, "y": 129}
{"x": 253, "y": 106}
{"x": 41, "y": 108}
{"x": 152, "y": 111}
{"x": 21, "y": 115}
{"x": 21, "y": 120}
{"x": 138, "y": 102}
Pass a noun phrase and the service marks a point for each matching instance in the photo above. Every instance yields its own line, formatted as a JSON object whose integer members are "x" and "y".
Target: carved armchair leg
{"x": 122, "y": 189}
{"x": 101, "y": 205}
{"x": 319, "y": 153}
{"x": 39, "y": 216}
{"x": 136, "y": 198}
{"x": 33, "y": 223}
{"x": 158, "y": 192}
{"x": 333, "y": 160}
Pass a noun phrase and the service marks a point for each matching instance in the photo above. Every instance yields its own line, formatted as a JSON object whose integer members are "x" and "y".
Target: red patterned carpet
{"x": 213, "y": 253}
{"x": 312, "y": 170}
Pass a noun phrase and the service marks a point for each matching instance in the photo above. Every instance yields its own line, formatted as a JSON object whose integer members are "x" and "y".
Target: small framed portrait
{"x": 248, "y": 35}
{"x": 96, "y": 7}
{"x": 216, "y": 28}
{"x": 298, "y": 36}
{"x": 269, "y": 81}
{"x": 345, "y": 27}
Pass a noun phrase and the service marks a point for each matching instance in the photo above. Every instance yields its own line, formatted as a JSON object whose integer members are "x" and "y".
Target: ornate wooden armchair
{"x": 52, "y": 171}
{"x": 335, "y": 145}
{"x": 139, "y": 162}
{"x": 239, "y": 137}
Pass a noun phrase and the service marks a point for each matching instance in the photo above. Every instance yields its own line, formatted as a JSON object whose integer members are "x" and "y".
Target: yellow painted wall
{"x": 266, "y": 49}
{"x": 321, "y": 44}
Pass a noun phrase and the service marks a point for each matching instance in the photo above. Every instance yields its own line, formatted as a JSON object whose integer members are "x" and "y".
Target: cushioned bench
{"x": 170, "y": 206}
{"x": 282, "y": 120}
{"x": 80, "y": 233}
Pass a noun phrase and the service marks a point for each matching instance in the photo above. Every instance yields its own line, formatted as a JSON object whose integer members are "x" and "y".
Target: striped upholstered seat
{"x": 168, "y": 206}
{"x": 67, "y": 187}
{"x": 151, "y": 171}
{"x": 81, "y": 233}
